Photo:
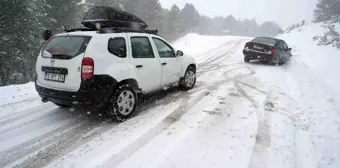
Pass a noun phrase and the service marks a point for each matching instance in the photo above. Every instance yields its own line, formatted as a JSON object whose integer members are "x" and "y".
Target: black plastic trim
{"x": 97, "y": 91}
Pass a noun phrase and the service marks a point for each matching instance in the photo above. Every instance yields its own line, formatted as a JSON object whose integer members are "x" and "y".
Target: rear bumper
{"x": 252, "y": 55}
{"x": 91, "y": 93}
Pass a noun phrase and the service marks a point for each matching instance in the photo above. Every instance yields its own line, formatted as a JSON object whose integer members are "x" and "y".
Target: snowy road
{"x": 238, "y": 115}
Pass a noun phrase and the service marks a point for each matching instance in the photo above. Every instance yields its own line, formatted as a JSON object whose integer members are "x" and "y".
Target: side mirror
{"x": 289, "y": 49}
{"x": 179, "y": 53}
{"x": 47, "y": 34}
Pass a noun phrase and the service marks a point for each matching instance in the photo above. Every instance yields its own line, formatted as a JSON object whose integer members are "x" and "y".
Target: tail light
{"x": 246, "y": 45}
{"x": 271, "y": 50}
{"x": 87, "y": 68}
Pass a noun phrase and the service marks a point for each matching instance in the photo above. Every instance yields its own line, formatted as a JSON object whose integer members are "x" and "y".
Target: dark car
{"x": 272, "y": 50}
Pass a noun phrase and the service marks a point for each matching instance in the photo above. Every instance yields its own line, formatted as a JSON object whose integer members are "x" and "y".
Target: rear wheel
{"x": 123, "y": 103}
{"x": 274, "y": 61}
{"x": 189, "y": 80}
{"x": 246, "y": 59}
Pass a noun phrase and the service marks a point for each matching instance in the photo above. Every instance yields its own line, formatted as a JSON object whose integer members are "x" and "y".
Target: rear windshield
{"x": 65, "y": 47}
{"x": 264, "y": 40}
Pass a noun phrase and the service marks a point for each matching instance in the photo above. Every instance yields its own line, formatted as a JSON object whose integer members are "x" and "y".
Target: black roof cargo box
{"x": 111, "y": 17}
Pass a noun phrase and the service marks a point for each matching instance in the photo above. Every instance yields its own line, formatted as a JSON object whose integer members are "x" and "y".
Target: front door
{"x": 171, "y": 65}
{"x": 146, "y": 64}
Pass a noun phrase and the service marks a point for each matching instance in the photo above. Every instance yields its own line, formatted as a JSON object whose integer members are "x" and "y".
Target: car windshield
{"x": 264, "y": 40}
{"x": 66, "y": 46}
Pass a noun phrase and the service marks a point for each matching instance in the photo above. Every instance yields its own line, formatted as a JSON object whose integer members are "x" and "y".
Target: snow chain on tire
{"x": 113, "y": 106}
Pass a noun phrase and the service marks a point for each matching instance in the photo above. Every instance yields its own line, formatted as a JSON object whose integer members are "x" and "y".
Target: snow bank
{"x": 324, "y": 59}
{"x": 15, "y": 93}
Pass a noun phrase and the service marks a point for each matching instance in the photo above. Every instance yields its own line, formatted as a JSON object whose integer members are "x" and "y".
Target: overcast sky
{"x": 284, "y": 12}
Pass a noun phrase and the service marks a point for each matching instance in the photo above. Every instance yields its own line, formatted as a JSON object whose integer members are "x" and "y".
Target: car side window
{"x": 280, "y": 45}
{"x": 285, "y": 46}
{"x": 117, "y": 46}
{"x": 164, "y": 50}
{"x": 141, "y": 47}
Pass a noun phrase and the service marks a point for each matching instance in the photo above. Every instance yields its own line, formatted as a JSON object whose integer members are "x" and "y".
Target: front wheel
{"x": 189, "y": 80}
{"x": 123, "y": 103}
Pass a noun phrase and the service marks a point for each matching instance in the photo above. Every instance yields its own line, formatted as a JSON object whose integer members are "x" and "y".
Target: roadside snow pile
{"x": 324, "y": 59}
{"x": 15, "y": 93}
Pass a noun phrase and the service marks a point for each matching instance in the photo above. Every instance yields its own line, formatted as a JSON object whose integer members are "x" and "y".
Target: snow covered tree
{"x": 20, "y": 26}
{"x": 67, "y": 12}
{"x": 327, "y": 11}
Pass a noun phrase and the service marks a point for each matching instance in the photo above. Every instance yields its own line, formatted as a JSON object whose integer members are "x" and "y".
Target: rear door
{"x": 171, "y": 65}
{"x": 147, "y": 66}
{"x": 58, "y": 66}
{"x": 288, "y": 53}
{"x": 280, "y": 51}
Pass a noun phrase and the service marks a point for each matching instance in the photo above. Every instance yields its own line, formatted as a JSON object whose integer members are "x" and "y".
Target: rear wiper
{"x": 61, "y": 56}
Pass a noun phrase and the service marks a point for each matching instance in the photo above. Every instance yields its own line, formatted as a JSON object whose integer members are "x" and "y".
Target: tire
{"x": 123, "y": 102}
{"x": 274, "y": 61}
{"x": 189, "y": 80}
{"x": 246, "y": 59}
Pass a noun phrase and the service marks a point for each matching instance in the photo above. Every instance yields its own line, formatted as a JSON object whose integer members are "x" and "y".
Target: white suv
{"x": 109, "y": 69}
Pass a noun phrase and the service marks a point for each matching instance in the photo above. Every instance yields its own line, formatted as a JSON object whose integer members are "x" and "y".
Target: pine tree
{"x": 150, "y": 11}
{"x": 327, "y": 11}
{"x": 190, "y": 18}
{"x": 20, "y": 26}
{"x": 63, "y": 12}
{"x": 173, "y": 20}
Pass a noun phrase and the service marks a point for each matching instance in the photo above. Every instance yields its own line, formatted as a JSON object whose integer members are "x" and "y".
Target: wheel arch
{"x": 132, "y": 82}
{"x": 186, "y": 68}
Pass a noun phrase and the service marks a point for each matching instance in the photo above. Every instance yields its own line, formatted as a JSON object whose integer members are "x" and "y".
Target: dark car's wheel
{"x": 274, "y": 61}
{"x": 246, "y": 59}
{"x": 123, "y": 103}
{"x": 189, "y": 80}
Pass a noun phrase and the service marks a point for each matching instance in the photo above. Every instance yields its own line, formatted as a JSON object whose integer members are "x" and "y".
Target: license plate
{"x": 55, "y": 77}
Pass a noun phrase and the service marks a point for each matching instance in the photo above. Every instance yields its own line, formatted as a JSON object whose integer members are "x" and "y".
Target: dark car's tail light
{"x": 272, "y": 50}
{"x": 87, "y": 68}
{"x": 246, "y": 45}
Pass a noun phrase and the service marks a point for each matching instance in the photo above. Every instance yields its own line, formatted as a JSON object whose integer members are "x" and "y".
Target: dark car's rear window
{"x": 65, "y": 47}
{"x": 264, "y": 40}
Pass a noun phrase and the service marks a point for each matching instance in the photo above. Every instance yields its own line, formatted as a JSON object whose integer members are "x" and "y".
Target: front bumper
{"x": 91, "y": 93}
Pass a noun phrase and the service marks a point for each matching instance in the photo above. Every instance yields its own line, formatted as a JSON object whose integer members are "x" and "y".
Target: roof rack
{"x": 115, "y": 30}
{"x": 126, "y": 29}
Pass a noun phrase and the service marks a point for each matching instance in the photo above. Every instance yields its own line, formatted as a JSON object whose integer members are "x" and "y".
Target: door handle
{"x": 139, "y": 66}
{"x": 164, "y": 63}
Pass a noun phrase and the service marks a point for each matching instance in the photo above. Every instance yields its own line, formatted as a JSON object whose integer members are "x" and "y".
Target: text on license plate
{"x": 55, "y": 77}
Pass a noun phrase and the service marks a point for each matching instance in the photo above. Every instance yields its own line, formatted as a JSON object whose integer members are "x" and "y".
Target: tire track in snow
{"x": 224, "y": 55}
{"x": 72, "y": 138}
{"x": 62, "y": 140}
{"x": 168, "y": 121}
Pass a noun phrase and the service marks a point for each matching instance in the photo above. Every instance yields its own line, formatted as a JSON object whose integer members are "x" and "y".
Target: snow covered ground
{"x": 239, "y": 115}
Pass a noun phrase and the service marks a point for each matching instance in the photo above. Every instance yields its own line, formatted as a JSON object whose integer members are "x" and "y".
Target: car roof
{"x": 269, "y": 38}
{"x": 94, "y": 33}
